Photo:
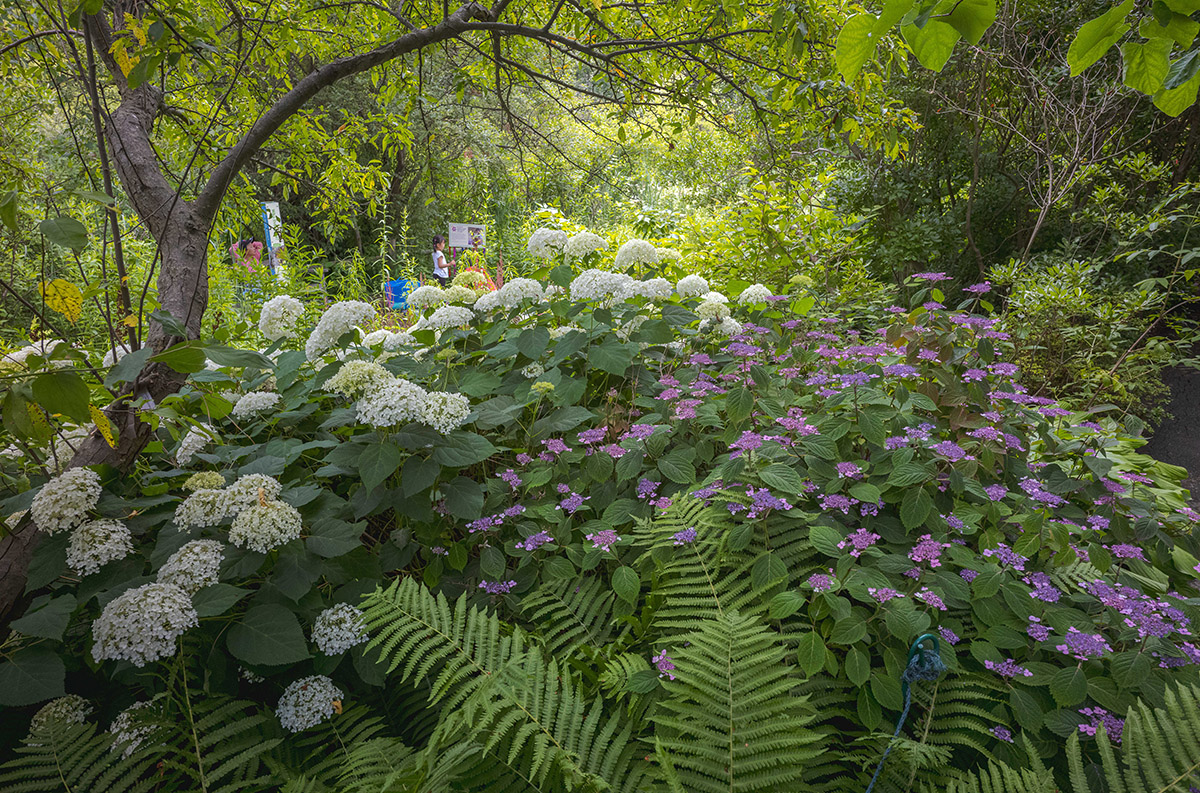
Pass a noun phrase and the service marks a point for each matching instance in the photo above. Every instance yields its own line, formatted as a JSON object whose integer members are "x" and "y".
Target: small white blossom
{"x": 654, "y": 288}
{"x": 635, "y": 252}
{"x": 252, "y": 489}
{"x": 598, "y": 285}
{"x": 376, "y": 337}
{"x": 195, "y": 440}
{"x": 142, "y": 624}
{"x": 358, "y": 377}
{"x": 583, "y": 243}
{"x": 96, "y": 543}
{"x": 279, "y": 317}
{"x": 730, "y": 326}
{"x": 448, "y": 317}
{"x": 533, "y": 371}
{"x": 64, "y": 501}
{"x": 337, "y": 320}
{"x": 426, "y": 296}
{"x": 307, "y": 702}
{"x": 397, "y": 402}
{"x": 130, "y": 728}
{"x": 755, "y": 293}
{"x": 204, "y": 480}
{"x": 517, "y": 291}
{"x": 264, "y": 527}
{"x": 547, "y": 243}
{"x": 253, "y": 403}
{"x": 194, "y": 566}
{"x": 669, "y": 253}
{"x": 445, "y": 411}
{"x": 399, "y": 339}
{"x": 717, "y": 296}
{"x": 691, "y": 286}
{"x": 205, "y": 507}
{"x": 487, "y": 302}
{"x": 339, "y": 628}
{"x": 462, "y": 295}
{"x": 71, "y": 709}
{"x": 712, "y": 309}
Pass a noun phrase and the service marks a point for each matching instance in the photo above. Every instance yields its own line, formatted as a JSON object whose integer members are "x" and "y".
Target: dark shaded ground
{"x": 1178, "y": 441}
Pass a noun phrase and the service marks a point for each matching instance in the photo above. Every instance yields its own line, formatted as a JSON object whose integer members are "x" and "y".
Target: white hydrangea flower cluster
{"x": 391, "y": 340}
{"x": 398, "y": 401}
{"x": 472, "y": 279}
{"x": 755, "y": 293}
{"x": 113, "y": 355}
{"x": 253, "y": 403}
{"x": 130, "y": 728}
{"x": 142, "y": 624}
{"x": 717, "y": 296}
{"x": 71, "y": 709}
{"x": 376, "y": 337}
{"x": 194, "y": 566}
{"x": 337, "y": 320}
{"x": 563, "y": 330}
{"x": 339, "y": 628}
{"x": 517, "y": 291}
{"x": 547, "y": 243}
{"x": 653, "y": 289}
{"x": 18, "y": 359}
{"x": 583, "y": 243}
{"x": 726, "y": 327}
{"x": 598, "y": 285}
{"x": 462, "y": 295}
{"x": 266, "y": 526}
{"x": 533, "y": 371}
{"x": 712, "y": 309}
{"x": 96, "y": 543}
{"x": 426, "y": 296}
{"x": 487, "y": 303}
{"x": 447, "y": 317}
{"x": 691, "y": 286}
{"x": 358, "y": 377}
{"x": 307, "y": 702}
{"x": 251, "y": 489}
{"x": 64, "y": 501}
{"x": 552, "y": 291}
{"x": 445, "y": 411}
{"x": 204, "y": 479}
{"x": 195, "y": 440}
{"x": 669, "y": 253}
{"x": 635, "y": 252}
{"x": 279, "y": 317}
{"x": 205, "y": 507}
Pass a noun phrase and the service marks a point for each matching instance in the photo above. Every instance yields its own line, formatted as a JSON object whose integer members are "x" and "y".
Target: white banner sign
{"x": 467, "y": 235}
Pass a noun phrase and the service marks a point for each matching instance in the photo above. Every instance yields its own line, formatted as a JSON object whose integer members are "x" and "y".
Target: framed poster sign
{"x": 468, "y": 235}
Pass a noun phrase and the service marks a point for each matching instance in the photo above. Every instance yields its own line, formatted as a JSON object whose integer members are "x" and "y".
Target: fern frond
{"x": 74, "y": 757}
{"x": 731, "y": 722}
{"x": 568, "y": 613}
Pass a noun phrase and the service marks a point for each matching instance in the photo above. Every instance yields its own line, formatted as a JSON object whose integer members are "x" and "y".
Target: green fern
{"x": 526, "y": 715}
{"x": 731, "y": 722}
{"x": 74, "y": 757}
{"x": 570, "y": 613}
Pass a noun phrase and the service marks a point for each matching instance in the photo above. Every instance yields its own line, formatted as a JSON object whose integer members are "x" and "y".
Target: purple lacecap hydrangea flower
{"x": 497, "y": 587}
{"x": 762, "y": 502}
{"x": 951, "y": 450}
{"x": 1149, "y": 617}
{"x": 1037, "y": 631}
{"x": 884, "y": 594}
{"x": 1113, "y": 727}
{"x": 1083, "y": 646}
{"x": 931, "y": 305}
{"x": 556, "y": 446}
{"x": 1043, "y": 588}
{"x": 930, "y": 598}
{"x": 1098, "y": 522}
{"x": 928, "y": 550}
{"x": 639, "y": 431}
{"x": 1129, "y": 476}
{"x": 1003, "y": 733}
{"x": 1007, "y": 668}
{"x": 934, "y": 277}
{"x": 948, "y": 636}
{"x": 979, "y": 289}
{"x": 849, "y": 471}
{"x": 661, "y": 503}
{"x": 954, "y": 522}
{"x": 968, "y": 575}
{"x": 614, "y": 450}
{"x": 859, "y": 541}
{"x": 685, "y": 537}
{"x": 902, "y": 370}
{"x": 524, "y": 459}
{"x": 438, "y": 550}
{"x": 996, "y": 492}
{"x": 1004, "y": 369}
{"x": 604, "y": 540}
{"x": 663, "y": 663}
{"x": 562, "y": 488}
{"x": 686, "y": 408}
{"x": 974, "y": 375}
{"x": 647, "y": 488}
{"x": 855, "y": 379}
{"x": 927, "y": 355}
{"x": 572, "y": 503}
{"x": 1008, "y": 556}
{"x": 1126, "y": 551}
{"x": 839, "y": 502}
{"x": 510, "y": 478}
{"x": 895, "y": 442}
{"x": 535, "y": 541}
{"x": 821, "y": 582}
{"x": 748, "y": 442}
{"x": 986, "y": 434}
{"x": 514, "y": 511}
{"x": 594, "y": 435}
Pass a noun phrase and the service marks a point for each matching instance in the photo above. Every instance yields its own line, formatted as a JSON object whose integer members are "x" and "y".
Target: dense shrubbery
{"x": 609, "y": 533}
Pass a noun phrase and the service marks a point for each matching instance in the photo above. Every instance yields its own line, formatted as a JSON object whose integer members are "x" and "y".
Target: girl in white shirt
{"x": 440, "y": 270}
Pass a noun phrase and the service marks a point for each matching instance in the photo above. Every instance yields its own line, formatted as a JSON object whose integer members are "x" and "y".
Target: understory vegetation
{"x": 786, "y": 432}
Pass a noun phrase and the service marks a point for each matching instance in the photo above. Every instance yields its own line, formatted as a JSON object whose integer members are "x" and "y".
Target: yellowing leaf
{"x": 598, "y": 4}
{"x": 130, "y": 321}
{"x": 38, "y": 418}
{"x": 64, "y": 297}
{"x": 104, "y": 425}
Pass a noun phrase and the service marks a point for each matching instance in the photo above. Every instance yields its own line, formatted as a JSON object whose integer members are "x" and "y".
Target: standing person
{"x": 440, "y": 270}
